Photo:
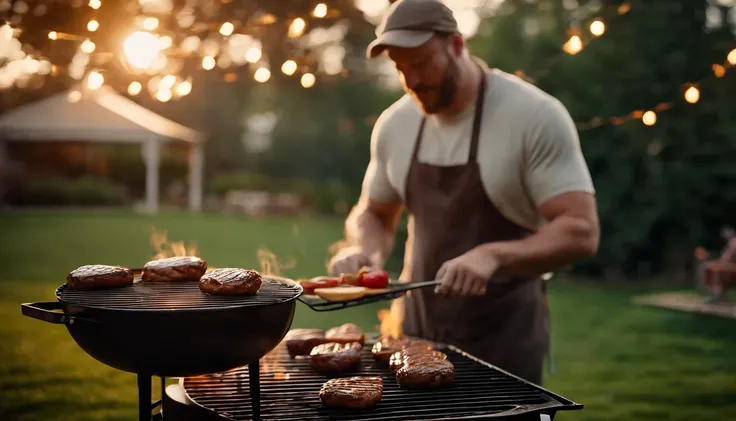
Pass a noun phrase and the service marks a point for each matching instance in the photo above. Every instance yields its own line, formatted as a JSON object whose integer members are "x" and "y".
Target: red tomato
{"x": 374, "y": 279}
{"x": 310, "y": 285}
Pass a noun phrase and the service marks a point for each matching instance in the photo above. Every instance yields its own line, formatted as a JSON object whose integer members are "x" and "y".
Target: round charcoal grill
{"x": 172, "y": 329}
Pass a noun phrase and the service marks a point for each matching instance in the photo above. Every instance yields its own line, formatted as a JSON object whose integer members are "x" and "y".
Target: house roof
{"x": 99, "y": 116}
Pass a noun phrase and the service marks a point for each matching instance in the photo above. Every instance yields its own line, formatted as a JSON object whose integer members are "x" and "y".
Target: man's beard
{"x": 445, "y": 91}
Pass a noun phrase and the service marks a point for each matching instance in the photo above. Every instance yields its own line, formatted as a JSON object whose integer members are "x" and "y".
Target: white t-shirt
{"x": 528, "y": 151}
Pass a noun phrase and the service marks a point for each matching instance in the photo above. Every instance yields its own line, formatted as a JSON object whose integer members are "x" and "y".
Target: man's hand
{"x": 467, "y": 275}
{"x": 349, "y": 260}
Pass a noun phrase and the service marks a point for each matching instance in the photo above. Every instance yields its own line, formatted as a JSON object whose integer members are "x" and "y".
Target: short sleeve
{"x": 376, "y": 183}
{"x": 554, "y": 162}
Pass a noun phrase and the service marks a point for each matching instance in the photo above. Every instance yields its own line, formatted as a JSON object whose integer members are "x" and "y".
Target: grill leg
{"x": 144, "y": 397}
{"x": 254, "y": 378}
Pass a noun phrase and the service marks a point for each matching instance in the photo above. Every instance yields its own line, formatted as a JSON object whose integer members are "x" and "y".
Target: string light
{"x": 135, "y": 88}
{"x": 289, "y": 67}
{"x": 719, "y": 70}
{"x": 297, "y": 27}
{"x": 184, "y": 88}
{"x": 573, "y": 46}
{"x": 88, "y": 46}
{"x": 141, "y": 49}
{"x": 208, "y": 63}
{"x": 95, "y": 80}
{"x": 308, "y": 80}
{"x": 167, "y": 82}
{"x": 53, "y": 35}
{"x": 731, "y": 58}
{"x": 692, "y": 95}
{"x": 150, "y": 24}
{"x": 92, "y": 25}
{"x": 253, "y": 54}
{"x": 164, "y": 95}
{"x": 262, "y": 75}
{"x": 227, "y": 29}
{"x": 649, "y": 118}
{"x": 95, "y": 4}
{"x": 74, "y": 96}
{"x": 320, "y": 11}
{"x": 597, "y": 28}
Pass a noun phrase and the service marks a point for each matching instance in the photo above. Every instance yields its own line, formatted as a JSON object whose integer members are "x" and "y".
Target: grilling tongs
{"x": 393, "y": 291}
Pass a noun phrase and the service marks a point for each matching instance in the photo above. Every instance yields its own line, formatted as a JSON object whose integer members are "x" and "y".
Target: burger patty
{"x": 173, "y": 269}
{"x": 231, "y": 281}
{"x": 415, "y": 355}
{"x": 335, "y": 358}
{"x": 345, "y": 334}
{"x": 301, "y": 341}
{"x": 98, "y": 277}
{"x": 383, "y": 349}
{"x": 425, "y": 373}
{"x": 352, "y": 392}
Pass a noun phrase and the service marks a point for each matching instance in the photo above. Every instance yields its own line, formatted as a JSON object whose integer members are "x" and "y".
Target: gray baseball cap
{"x": 411, "y": 23}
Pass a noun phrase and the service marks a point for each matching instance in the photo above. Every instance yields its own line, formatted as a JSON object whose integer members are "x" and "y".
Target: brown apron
{"x": 449, "y": 214}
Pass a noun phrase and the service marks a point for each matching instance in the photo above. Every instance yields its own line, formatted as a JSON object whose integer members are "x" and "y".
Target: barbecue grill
{"x": 288, "y": 389}
{"x": 172, "y": 329}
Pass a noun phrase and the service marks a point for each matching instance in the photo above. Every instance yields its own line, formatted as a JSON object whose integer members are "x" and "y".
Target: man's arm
{"x": 371, "y": 226}
{"x": 572, "y": 234}
{"x": 557, "y": 179}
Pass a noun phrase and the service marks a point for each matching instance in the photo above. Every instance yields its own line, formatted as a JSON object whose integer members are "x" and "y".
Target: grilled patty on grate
{"x": 172, "y": 269}
{"x": 415, "y": 355}
{"x": 334, "y": 358}
{"x": 99, "y": 276}
{"x": 384, "y": 348}
{"x": 352, "y": 392}
{"x": 231, "y": 281}
{"x": 301, "y": 341}
{"x": 345, "y": 334}
{"x": 425, "y": 373}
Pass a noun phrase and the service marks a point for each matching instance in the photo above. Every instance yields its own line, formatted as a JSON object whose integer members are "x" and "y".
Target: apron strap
{"x": 478, "y": 117}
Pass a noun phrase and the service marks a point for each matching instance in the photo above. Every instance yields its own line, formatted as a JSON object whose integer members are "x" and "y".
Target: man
{"x": 498, "y": 193}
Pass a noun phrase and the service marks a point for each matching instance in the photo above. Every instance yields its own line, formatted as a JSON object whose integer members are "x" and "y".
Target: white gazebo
{"x": 105, "y": 116}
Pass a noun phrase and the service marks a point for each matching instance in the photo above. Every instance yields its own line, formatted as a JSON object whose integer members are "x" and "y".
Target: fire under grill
{"x": 289, "y": 390}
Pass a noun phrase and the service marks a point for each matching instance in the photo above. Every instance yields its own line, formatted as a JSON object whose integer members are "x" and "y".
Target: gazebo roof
{"x": 99, "y": 116}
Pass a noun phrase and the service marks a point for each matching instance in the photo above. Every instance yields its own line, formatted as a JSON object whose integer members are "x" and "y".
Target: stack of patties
{"x": 415, "y": 363}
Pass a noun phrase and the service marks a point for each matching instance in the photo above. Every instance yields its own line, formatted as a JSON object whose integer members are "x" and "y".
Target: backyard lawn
{"x": 623, "y": 362}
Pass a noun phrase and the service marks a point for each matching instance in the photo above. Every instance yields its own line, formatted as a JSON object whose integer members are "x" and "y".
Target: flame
{"x": 164, "y": 248}
{"x": 271, "y": 264}
{"x": 392, "y": 319}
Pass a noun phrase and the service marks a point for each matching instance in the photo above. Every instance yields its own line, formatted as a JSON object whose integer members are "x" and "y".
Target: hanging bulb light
{"x": 320, "y": 11}
{"x": 649, "y": 118}
{"x": 692, "y": 95}
{"x": 262, "y": 75}
{"x": 289, "y": 67}
{"x": 135, "y": 88}
{"x": 308, "y": 80}
{"x": 93, "y": 25}
{"x": 597, "y": 28}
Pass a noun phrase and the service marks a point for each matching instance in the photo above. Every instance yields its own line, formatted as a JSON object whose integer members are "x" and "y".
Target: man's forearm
{"x": 558, "y": 244}
{"x": 367, "y": 230}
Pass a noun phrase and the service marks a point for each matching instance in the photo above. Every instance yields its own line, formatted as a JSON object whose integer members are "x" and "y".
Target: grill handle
{"x": 44, "y": 311}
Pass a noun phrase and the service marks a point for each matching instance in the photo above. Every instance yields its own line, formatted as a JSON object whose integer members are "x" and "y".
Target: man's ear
{"x": 457, "y": 44}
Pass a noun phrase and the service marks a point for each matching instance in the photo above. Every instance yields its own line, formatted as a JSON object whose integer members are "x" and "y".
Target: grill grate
{"x": 290, "y": 391}
{"x": 174, "y": 296}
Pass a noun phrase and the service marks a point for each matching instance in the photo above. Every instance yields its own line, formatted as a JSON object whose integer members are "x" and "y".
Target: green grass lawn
{"x": 622, "y": 361}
